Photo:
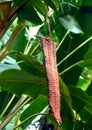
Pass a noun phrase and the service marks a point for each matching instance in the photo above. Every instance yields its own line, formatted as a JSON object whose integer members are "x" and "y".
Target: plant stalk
{"x": 15, "y": 109}
{"x": 9, "y": 103}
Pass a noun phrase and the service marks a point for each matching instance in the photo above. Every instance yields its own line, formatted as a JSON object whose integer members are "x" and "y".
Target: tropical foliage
{"x": 23, "y": 87}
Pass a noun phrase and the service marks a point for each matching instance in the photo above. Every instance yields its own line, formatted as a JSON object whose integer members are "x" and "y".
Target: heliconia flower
{"x": 49, "y": 53}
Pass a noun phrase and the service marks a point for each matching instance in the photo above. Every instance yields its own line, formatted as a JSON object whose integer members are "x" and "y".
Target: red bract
{"x": 52, "y": 76}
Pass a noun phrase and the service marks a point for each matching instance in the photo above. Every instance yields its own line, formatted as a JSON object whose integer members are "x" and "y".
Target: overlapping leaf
{"x": 19, "y": 82}
{"x": 71, "y": 24}
{"x": 36, "y": 107}
{"x": 30, "y": 64}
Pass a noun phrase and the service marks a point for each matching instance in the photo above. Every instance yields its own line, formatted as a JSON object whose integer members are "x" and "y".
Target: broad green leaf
{"x": 87, "y": 59}
{"x": 39, "y": 6}
{"x": 89, "y": 90}
{"x": 85, "y": 16}
{"x": 81, "y": 95}
{"x": 19, "y": 82}
{"x": 86, "y": 3}
{"x": 66, "y": 124}
{"x": 88, "y": 54}
{"x": 19, "y": 42}
{"x": 88, "y": 108}
{"x": 86, "y": 116}
{"x": 65, "y": 109}
{"x": 66, "y": 95}
{"x": 36, "y": 107}
{"x": 71, "y": 24}
{"x": 71, "y": 77}
{"x": 29, "y": 15}
{"x": 30, "y": 64}
{"x": 78, "y": 125}
{"x": 86, "y": 113}
{"x": 86, "y": 63}
{"x": 53, "y": 121}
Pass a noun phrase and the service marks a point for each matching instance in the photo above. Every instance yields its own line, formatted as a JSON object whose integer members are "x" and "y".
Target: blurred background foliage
{"x": 23, "y": 88}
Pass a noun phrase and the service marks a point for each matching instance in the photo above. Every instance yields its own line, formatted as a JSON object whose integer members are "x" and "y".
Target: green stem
{"x": 9, "y": 103}
{"x": 10, "y": 41}
{"x": 70, "y": 67}
{"x": 66, "y": 34}
{"x": 27, "y": 48}
{"x": 62, "y": 40}
{"x": 81, "y": 45}
{"x": 35, "y": 48}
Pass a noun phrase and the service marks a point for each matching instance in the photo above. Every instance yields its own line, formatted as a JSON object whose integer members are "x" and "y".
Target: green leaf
{"x": 88, "y": 108}
{"x": 78, "y": 125}
{"x": 86, "y": 3}
{"x": 39, "y": 6}
{"x": 88, "y": 54}
{"x": 66, "y": 95}
{"x": 81, "y": 95}
{"x": 89, "y": 90}
{"x": 19, "y": 82}
{"x": 87, "y": 59}
{"x": 86, "y": 63}
{"x": 86, "y": 116}
{"x": 53, "y": 121}
{"x": 19, "y": 2}
{"x": 19, "y": 42}
{"x": 86, "y": 113}
{"x": 84, "y": 81}
{"x": 36, "y": 107}
{"x": 85, "y": 14}
{"x": 51, "y": 4}
{"x": 29, "y": 15}
{"x": 71, "y": 24}
{"x": 30, "y": 64}
{"x": 66, "y": 124}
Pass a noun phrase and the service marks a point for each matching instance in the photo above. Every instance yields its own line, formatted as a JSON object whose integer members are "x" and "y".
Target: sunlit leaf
{"x": 71, "y": 24}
